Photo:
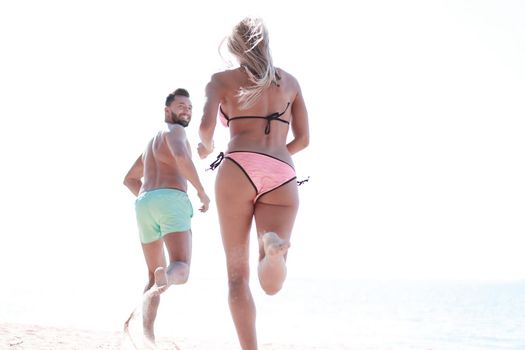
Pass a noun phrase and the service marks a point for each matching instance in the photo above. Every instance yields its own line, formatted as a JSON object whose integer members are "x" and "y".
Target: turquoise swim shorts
{"x": 162, "y": 211}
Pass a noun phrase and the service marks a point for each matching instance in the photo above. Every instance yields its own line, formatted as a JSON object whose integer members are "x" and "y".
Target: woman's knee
{"x": 238, "y": 284}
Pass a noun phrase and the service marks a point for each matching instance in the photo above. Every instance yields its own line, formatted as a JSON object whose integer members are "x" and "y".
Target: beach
{"x": 21, "y": 336}
{"x": 356, "y": 315}
{"x": 34, "y": 337}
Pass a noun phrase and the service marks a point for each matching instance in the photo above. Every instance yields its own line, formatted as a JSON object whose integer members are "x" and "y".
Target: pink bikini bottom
{"x": 266, "y": 173}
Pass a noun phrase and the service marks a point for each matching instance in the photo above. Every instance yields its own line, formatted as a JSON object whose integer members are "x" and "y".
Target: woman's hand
{"x": 203, "y": 151}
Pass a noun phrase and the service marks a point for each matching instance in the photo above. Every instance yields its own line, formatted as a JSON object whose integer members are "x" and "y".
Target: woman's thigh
{"x": 234, "y": 197}
{"x": 276, "y": 211}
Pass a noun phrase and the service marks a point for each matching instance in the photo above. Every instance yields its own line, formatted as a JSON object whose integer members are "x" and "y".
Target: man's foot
{"x": 161, "y": 279}
{"x": 161, "y": 283}
{"x": 274, "y": 246}
{"x": 150, "y": 305}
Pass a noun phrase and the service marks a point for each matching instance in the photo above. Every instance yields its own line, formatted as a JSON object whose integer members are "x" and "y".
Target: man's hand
{"x": 205, "y": 202}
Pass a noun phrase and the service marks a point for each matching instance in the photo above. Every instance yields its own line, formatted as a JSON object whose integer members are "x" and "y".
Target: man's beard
{"x": 176, "y": 120}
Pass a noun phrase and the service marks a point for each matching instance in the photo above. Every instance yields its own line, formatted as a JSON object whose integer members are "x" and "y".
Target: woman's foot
{"x": 274, "y": 246}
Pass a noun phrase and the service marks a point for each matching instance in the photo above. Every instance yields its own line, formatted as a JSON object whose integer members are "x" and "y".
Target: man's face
{"x": 180, "y": 110}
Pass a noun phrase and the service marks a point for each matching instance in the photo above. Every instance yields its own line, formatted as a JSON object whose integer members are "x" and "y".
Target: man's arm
{"x": 133, "y": 179}
{"x": 178, "y": 145}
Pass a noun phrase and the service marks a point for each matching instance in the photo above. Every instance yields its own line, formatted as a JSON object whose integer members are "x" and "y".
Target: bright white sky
{"x": 417, "y": 114}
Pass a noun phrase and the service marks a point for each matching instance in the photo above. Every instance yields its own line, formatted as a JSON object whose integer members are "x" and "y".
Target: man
{"x": 159, "y": 180}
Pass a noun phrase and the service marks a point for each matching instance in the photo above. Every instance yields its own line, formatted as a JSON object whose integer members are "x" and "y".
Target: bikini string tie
{"x": 300, "y": 182}
{"x": 274, "y": 116}
{"x": 217, "y": 161}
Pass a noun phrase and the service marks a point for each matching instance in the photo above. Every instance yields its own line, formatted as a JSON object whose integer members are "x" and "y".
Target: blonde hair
{"x": 250, "y": 44}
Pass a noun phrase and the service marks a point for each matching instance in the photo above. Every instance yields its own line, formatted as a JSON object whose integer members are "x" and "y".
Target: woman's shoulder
{"x": 224, "y": 74}
{"x": 222, "y": 79}
{"x": 287, "y": 77}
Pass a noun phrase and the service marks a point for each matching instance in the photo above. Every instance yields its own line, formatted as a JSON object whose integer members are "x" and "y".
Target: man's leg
{"x": 154, "y": 255}
{"x": 178, "y": 245}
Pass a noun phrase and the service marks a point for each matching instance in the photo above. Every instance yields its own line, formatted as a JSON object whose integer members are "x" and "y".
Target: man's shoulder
{"x": 174, "y": 131}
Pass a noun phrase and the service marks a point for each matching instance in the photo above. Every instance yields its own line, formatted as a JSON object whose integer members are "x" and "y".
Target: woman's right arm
{"x": 209, "y": 117}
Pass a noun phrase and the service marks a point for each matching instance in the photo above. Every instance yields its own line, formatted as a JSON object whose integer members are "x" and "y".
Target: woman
{"x": 259, "y": 103}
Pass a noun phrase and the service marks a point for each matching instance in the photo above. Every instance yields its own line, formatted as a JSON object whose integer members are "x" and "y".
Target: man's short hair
{"x": 178, "y": 92}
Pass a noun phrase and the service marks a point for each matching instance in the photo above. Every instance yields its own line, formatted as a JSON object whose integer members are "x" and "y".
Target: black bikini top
{"x": 269, "y": 118}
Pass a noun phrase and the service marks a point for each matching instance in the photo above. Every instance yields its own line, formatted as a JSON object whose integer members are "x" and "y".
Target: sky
{"x": 416, "y": 161}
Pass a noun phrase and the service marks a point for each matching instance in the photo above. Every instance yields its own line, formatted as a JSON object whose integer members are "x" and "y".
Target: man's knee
{"x": 184, "y": 273}
{"x": 181, "y": 270}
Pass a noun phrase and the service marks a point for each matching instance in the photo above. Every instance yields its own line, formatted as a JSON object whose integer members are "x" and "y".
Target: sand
{"x": 36, "y": 337}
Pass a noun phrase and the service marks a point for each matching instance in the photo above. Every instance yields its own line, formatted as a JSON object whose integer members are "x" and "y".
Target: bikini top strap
{"x": 269, "y": 118}
{"x": 288, "y": 105}
{"x": 225, "y": 116}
